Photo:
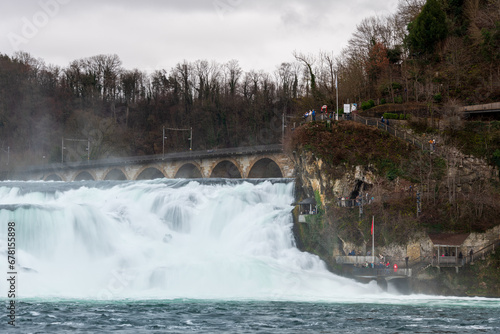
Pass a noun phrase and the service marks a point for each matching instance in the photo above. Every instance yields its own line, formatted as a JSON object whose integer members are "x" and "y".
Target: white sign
{"x": 347, "y": 108}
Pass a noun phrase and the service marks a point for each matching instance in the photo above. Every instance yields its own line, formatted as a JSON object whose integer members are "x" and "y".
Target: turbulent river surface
{"x": 173, "y": 256}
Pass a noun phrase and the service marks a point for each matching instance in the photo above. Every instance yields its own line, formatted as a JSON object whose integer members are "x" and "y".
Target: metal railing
{"x": 355, "y": 259}
{"x": 490, "y": 107}
{"x": 364, "y": 259}
{"x": 385, "y": 272}
{"x": 480, "y": 254}
{"x": 404, "y": 135}
{"x": 351, "y": 203}
{"x": 393, "y": 131}
{"x": 465, "y": 258}
{"x": 443, "y": 261}
{"x": 423, "y": 145}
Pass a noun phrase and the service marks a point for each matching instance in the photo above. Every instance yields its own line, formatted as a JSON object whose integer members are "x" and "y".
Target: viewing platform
{"x": 387, "y": 273}
{"x": 307, "y": 207}
{"x": 356, "y": 266}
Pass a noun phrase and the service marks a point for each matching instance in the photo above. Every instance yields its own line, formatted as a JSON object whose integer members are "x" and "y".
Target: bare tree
{"x": 233, "y": 75}
{"x": 329, "y": 71}
{"x": 131, "y": 83}
{"x": 308, "y": 61}
{"x": 184, "y": 76}
{"x": 370, "y": 29}
{"x": 408, "y": 10}
{"x": 453, "y": 115}
{"x": 287, "y": 80}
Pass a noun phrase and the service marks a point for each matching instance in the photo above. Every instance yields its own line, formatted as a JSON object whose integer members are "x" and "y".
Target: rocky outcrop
{"x": 318, "y": 178}
{"x": 313, "y": 176}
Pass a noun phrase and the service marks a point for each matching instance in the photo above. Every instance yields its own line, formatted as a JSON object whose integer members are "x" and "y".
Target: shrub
{"x": 396, "y": 85}
{"x": 438, "y": 98}
{"x": 368, "y": 104}
{"x": 496, "y": 157}
{"x": 392, "y": 174}
{"x": 389, "y": 115}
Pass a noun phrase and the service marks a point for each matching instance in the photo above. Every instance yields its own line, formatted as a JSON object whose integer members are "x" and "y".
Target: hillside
{"x": 396, "y": 61}
{"x": 347, "y": 159}
{"x": 393, "y": 172}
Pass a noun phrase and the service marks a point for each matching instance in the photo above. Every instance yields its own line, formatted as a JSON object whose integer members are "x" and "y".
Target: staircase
{"x": 468, "y": 168}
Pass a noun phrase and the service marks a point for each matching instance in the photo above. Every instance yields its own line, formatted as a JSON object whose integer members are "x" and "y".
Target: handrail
{"x": 455, "y": 260}
{"x": 483, "y": 251}
{"x": 395, "y": 132}
{"x": 424, "y": 260}
{"x": 432, "y": 148}
{"x": 352, "y": 203}
{"x": 381, "y": 272}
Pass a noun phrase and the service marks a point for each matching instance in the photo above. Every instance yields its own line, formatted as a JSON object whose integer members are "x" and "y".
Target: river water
{"x": 172, "y": 256}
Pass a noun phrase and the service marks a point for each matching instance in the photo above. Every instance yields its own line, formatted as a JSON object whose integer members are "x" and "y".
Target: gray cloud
{"x": 158, "y": 34}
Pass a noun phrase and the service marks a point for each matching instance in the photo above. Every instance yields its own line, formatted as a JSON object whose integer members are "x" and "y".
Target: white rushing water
{"x": 162, "y": 239}
{"x": 170, "y": 239}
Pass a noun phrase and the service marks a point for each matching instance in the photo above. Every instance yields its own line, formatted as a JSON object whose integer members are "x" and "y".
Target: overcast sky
{"x": 158, "y": 34}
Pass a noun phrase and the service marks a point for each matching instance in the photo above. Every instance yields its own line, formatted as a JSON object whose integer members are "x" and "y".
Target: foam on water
{"x": 166, "y": 239}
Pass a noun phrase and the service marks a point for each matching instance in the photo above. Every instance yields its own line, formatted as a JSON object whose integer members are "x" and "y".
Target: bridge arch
{"x": 227, "y": 168}
{"x": 149, "y": 173}
{"x": 190, "y": 170}
{"x": 53, "y": 177}
{"x": 240, "y": 162}
{"x": 264, "y": 167}
{"x": 115, "y": 174}
{"x": 84, "y": 176}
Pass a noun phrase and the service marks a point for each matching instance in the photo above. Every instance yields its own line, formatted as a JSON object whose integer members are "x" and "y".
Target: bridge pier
{"x": 382, "y": 283}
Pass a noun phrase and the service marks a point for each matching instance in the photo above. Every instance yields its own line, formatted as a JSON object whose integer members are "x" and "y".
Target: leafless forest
{"x": 395, "y": 59}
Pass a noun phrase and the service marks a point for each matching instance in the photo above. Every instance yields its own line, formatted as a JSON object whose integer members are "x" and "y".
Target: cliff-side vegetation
{"x": 350, "y": 143}
{"x": 483, "y": 278}
{"x": 400, "y": 172}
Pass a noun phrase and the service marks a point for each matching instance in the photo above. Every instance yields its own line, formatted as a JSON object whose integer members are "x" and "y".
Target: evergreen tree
{"x": 427, "y": 29}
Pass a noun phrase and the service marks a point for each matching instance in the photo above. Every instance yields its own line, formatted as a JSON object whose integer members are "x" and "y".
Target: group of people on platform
{"x": 381, "y": 264}
{"x": 311, "y": 113}
{"x": 323, "y": 111}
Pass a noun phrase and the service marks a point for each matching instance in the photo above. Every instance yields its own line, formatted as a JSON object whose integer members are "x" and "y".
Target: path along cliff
{"x": 358, "y": 173}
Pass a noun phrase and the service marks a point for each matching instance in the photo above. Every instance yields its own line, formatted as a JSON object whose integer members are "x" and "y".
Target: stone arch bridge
{"x": 244, "y": 162}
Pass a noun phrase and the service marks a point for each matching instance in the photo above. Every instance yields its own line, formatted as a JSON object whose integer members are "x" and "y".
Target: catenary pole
{"x": 337, "y": 93}
{"x": 163, "y": 141}
{"x": 373, "y": 240}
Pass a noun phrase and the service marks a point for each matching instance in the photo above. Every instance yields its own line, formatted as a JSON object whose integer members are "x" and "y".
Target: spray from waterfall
{"x": 168, "y": 239}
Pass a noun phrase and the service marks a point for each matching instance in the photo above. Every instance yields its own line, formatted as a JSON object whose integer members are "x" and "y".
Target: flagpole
{"x": 373, "y": 240}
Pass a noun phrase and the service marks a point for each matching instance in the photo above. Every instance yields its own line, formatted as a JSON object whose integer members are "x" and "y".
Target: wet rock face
{"x": 314, "y": 177}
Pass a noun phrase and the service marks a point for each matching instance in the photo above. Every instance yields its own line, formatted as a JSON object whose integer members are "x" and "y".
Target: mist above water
{"x": 165, "y": 239}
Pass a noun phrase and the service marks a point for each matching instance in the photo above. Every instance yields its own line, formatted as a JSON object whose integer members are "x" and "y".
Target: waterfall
{"x": 166, "y": 239}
